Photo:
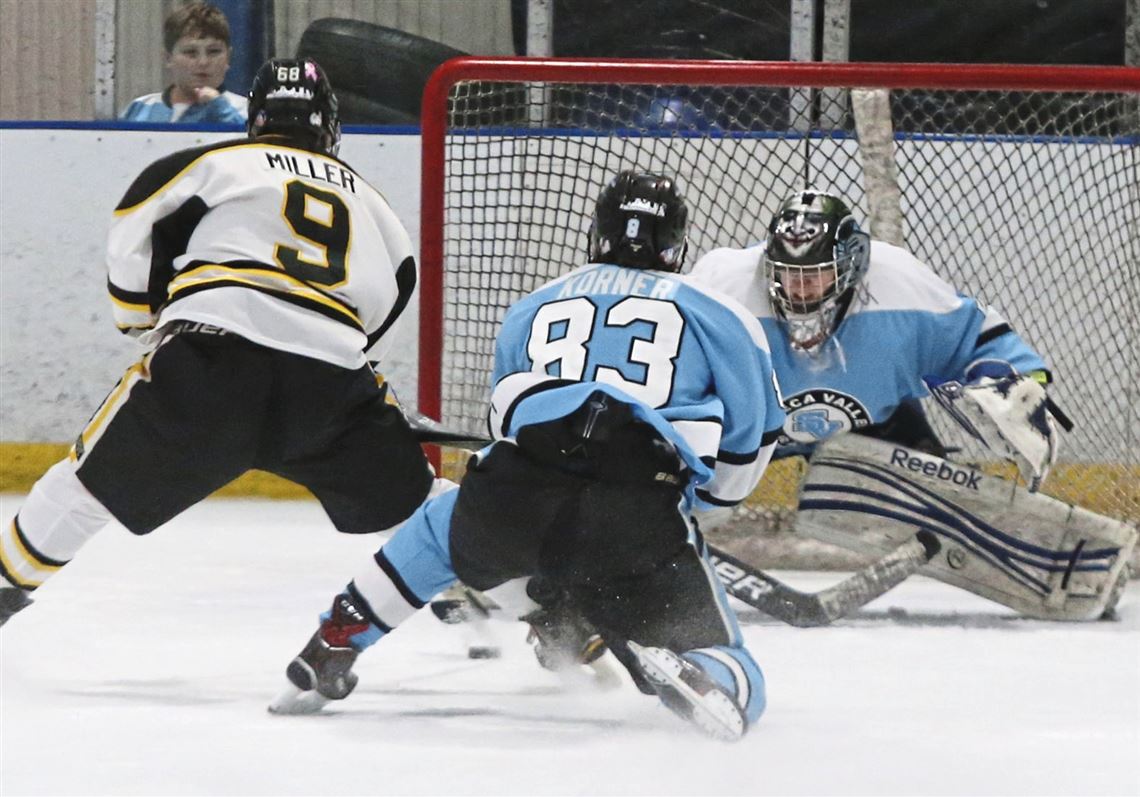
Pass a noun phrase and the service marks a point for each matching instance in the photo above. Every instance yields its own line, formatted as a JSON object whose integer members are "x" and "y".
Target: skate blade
{"x": 713, "y": 713}
{"x": 603, "y": 674}
{"x": 294, "y": 701}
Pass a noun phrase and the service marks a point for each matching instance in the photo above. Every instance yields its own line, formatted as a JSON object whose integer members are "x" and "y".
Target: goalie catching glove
{"x": 1011, "y": 415}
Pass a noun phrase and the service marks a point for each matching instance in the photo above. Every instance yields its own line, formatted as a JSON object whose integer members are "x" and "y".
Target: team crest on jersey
{"x": 815, "y": 415}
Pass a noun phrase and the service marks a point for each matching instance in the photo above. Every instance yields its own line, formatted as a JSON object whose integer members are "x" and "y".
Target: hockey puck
{"x": 483, "y": 652}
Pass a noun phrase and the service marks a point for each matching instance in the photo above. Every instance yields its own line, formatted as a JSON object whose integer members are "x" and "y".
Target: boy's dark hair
{"x": 198, "y": 19}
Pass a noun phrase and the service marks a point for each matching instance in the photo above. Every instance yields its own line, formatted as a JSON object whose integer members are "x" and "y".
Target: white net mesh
{"x": 1028, "y": 200}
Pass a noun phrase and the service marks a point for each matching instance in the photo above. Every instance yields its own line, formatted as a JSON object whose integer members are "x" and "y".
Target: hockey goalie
{"x": 860, "y": 331}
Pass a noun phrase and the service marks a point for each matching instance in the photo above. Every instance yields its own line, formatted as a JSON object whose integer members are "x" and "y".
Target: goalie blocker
{"x": 1043, "y": 557}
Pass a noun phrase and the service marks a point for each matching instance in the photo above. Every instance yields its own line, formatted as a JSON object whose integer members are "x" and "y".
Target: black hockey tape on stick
{"x": 428, "y": 430}
{"x": 807, "y": 609}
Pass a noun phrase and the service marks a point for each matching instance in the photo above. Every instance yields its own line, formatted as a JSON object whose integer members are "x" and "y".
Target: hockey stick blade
{"x": 807, "y": 609}
{"x": 428, "y": 430}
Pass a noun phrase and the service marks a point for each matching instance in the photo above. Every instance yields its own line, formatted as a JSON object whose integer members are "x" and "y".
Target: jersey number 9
{"x": 320, "y": 218}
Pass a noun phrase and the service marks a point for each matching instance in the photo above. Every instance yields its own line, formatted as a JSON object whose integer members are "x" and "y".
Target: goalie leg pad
{"x": 1040, "y": 556}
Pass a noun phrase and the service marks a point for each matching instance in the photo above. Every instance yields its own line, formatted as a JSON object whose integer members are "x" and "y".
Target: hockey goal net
{"x": 1016, "y": 184}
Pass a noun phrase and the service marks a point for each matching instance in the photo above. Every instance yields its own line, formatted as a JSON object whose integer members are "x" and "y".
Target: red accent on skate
{"x": 338, "y": 635}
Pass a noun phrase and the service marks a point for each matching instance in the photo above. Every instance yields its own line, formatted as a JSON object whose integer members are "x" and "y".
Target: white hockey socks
{"x": 57, "y": 518}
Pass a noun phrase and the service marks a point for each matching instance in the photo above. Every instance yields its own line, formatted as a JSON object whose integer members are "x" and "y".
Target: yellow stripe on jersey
{"x": 140, "y": 371}
{"x": 141, "y": 307}
{"x": 277, "y": 281}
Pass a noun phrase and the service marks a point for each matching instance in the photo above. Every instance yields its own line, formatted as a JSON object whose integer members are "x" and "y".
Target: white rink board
{"x": 145, "y": 666}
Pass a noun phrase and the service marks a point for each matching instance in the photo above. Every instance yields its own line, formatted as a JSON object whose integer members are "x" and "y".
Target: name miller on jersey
{"x": 311, "y": 167}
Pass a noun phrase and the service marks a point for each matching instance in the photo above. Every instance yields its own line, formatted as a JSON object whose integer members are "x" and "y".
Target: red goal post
{"x": 1018, "y": 184}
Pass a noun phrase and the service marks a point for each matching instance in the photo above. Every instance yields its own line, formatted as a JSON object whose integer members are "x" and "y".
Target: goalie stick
{"x": 807, "y": 609}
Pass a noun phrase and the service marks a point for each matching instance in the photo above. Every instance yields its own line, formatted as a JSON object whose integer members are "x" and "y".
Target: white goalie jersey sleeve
{"x": 288, "y": 248}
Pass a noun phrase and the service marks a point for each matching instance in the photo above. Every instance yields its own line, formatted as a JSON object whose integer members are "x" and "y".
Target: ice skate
{"x": 561, "y": 638}
{"x": 568, "y": 645}
{"x": 322, "y": 672}
{"x": 12, "y": 600}
{"x": 460, "y": 604}
{"x": 691, "y": 694}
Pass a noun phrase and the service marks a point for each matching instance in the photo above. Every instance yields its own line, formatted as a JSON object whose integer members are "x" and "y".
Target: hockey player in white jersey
{"x": 859, "y": 330}
{"x": 259, "y": 270}
{"x": 613, "y": 415}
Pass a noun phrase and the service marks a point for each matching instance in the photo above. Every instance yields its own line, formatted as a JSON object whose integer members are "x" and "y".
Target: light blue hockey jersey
{"x": 904, "y": 327}
{"x": 692, "y": 362}
{"x": 226, "y": 108}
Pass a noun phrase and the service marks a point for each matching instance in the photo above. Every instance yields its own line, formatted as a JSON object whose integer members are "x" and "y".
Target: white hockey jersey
{"x": 288, "y": 248}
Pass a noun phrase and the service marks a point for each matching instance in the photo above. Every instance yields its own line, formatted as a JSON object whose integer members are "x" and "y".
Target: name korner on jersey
{"x": 672, "y": 345}
{"x": 307, "y": 257}
{"x": 905, "y": 326}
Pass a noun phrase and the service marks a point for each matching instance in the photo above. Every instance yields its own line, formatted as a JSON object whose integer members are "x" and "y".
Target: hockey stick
{"x": 807, "y": 609}
{"x": 749, "y": 584}
{"x": 428, "y": 430}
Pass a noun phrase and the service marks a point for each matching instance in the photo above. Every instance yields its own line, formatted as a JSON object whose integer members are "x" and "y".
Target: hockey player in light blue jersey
{"x": 859, "y": 329}
{"x": 614, "y": 415}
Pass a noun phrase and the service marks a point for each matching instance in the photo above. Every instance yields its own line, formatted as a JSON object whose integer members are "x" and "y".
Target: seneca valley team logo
{"x": 815, "y": 415}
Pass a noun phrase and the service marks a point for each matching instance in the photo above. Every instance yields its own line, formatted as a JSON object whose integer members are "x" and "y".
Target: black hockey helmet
{"x": 641, "y": 221}
{"x": 292, "y": 97}
{"x": 813, "y": 235}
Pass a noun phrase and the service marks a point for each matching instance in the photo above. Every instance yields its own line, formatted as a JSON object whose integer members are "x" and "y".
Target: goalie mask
{"x": 293, "y": 98}
{"x": 815, "y": 256}
{"x": 641, "y": 221}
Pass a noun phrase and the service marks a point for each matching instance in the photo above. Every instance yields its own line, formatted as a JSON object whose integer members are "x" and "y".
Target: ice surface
{"x": 145, "y": 666}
